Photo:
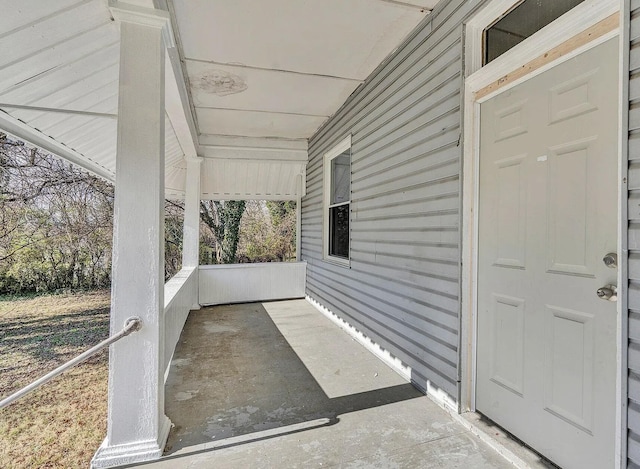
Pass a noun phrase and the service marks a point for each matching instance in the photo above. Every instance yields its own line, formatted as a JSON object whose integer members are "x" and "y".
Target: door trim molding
{"x": 582, "y": 17}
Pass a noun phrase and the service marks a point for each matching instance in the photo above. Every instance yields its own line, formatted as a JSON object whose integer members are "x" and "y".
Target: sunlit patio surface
{"x": 279, "y": 385}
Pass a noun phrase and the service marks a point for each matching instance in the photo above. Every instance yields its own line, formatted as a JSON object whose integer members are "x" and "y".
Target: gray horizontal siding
{"x": 402, "y": 288}
{"x": 631, "y": 15}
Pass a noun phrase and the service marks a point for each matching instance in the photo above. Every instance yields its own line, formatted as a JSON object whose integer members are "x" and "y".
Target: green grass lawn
{"x": 61, "y": 424}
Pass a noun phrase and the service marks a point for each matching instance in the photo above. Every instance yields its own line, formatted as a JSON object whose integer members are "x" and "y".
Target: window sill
{"x": 338, "y": 261}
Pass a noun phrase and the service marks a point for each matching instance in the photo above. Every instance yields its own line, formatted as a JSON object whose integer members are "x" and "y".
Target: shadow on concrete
{"x": 235, "y": 379}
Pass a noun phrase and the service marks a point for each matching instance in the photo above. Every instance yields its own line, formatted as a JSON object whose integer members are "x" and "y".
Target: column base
{"x": 128, "y": 453}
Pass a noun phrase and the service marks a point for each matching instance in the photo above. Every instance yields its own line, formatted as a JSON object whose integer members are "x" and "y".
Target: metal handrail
{"x": 131, "y": 325}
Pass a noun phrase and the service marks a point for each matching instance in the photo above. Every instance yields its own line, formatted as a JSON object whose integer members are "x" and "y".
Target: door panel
{"x": 569, "y": 366}
{"x": 508, "y": 351}
{"x": 511, "y": 213}
{"x": 546, "y": 353}
{"x": 571, "y": 216}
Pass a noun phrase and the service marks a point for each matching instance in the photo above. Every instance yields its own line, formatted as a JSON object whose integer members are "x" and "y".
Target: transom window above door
{"x": 522, "y": 21}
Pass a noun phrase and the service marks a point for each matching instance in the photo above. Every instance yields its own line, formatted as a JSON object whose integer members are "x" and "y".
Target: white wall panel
{"x": 245, "y": 283}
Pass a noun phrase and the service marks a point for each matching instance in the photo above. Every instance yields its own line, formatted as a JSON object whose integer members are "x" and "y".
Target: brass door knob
{"x": 608, "y": 292}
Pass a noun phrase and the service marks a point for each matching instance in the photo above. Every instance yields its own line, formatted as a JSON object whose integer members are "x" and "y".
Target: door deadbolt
{"x": 611, "y": 260}
{"x": 608, "y": 292}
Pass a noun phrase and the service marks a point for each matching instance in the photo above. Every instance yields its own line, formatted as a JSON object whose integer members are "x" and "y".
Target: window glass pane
{"x": 523, "y": 21}
{"x": 341, "y": 178}
{"x": 339, "y": 231}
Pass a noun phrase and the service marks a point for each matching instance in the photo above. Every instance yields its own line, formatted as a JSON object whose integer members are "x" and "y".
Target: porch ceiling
{"x": 260, "y": 78}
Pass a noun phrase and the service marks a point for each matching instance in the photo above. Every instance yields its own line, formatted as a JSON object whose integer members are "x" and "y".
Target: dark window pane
{"x": 339, "y": 231}
{"x": 341, "y": 178}
{"x": 523, "y": 21}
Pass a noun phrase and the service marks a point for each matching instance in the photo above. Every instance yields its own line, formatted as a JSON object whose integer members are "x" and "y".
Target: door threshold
{"x": 509, "y": 446}
{"x": 500, "y": 440}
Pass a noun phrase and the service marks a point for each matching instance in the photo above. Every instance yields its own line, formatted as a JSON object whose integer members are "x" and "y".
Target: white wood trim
{"x": 623, "y": 269}
{"x": 581, "y": 17}
{"x": 340, "y": 147}
{"x": 238, "y": 196}
{"x": 177, "y": 106}
{"x": 126, "y": 12}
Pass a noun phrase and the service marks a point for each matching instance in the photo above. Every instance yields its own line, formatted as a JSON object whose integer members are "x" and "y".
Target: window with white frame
{"x": 337, "y": 201}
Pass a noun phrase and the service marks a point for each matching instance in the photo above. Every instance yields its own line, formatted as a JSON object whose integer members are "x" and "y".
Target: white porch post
{"x": 191, "y": 235}
{"x": 191, "y": 230}
{"x": 137, "y": 426}
{"x": 299, "y": 217}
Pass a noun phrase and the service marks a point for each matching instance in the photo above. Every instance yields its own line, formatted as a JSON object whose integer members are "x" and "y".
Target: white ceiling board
{"x": 173, "y": 153}
{"x": 51, "y": 30}
{"x": 82, "y": 95}
{"x": 256, "y": 124}
{"x": 102, "y": 136}
{"x": 48, "y": 60}
{"x": 77, "y": 78}
{"x": 88, "y": 131}
{"x": 59, "y": 65}
{"x": 234, "y": 87}
{"x": 17, "y": 14}
{"x": 289, "y": 65}
{"x": 174, "y": 178}
{"x": 426, "y": 4}
{"x": 84, "y": 134}
{"x": 99, "y": 103}
{"x": 75, "y": 128}
{"x": 341, "y": 38}
{"x": 23, "y": 131}
{"x": 44, "y": 118}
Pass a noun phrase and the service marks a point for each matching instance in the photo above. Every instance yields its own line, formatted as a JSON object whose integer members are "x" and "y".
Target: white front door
{"x": 546, "y": 347}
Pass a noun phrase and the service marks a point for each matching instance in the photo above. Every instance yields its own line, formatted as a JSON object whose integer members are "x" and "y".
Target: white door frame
{"x": 478, "y": 78}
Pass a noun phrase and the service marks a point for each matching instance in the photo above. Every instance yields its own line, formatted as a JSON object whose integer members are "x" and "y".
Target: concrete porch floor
{"x": 278, "y": 385}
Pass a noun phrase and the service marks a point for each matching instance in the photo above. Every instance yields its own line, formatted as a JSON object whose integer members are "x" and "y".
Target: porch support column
{"x": 137, "y": 427}
{"x": 191, "y": 233}
{"x": 299, "y": 218}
